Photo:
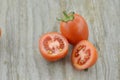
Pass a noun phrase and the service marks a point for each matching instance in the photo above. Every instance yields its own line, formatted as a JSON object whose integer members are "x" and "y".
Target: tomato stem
{"x": 67, "y": 17}
{"x": 65, "y": 14}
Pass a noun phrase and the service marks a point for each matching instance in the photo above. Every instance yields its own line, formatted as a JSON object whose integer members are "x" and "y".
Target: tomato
{"x": 53, "y": 46}
{"x": 84, "y": 55}
{"x": 74, "y": 28}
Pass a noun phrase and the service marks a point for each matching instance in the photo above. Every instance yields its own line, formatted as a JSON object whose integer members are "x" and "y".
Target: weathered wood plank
{"x": 24, "y": 21}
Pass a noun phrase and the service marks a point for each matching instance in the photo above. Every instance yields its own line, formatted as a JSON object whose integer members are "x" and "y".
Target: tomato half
{"x": 74, "y": 28}
{"x": 84, "y": 55}
{"x": 53, "y": 46}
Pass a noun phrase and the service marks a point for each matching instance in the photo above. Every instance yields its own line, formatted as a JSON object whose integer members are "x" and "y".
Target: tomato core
{"x": 53, "y": 44}
{"x": 82, "y": 54}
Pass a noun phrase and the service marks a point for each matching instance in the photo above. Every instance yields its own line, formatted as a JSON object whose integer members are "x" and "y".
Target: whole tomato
{"x": 74, "y": 27}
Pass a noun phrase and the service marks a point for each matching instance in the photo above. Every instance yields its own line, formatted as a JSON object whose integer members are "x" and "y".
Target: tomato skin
{"x": 93, "y": 59}
{"x": 50, "y": 57}
{"x": 75, "y": 30}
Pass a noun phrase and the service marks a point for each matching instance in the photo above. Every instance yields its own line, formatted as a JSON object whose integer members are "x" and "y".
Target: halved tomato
{"x": 53, "y": 46}
{"x": 84, "y": 55}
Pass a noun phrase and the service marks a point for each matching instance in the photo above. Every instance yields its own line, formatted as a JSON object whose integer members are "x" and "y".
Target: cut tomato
{"x": 84, "y": 55}
{"x": 53, "y": 46}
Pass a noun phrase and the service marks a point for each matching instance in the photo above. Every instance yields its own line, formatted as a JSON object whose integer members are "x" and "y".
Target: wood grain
{"x": 24, "y": 21}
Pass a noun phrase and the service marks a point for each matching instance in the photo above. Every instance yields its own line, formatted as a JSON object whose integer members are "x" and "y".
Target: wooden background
{"x": 24, "y": 21}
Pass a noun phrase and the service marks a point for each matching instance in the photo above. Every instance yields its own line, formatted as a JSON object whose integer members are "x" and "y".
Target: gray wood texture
{"x": 24, "y": 21}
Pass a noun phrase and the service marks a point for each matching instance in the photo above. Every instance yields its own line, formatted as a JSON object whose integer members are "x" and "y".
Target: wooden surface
{"x": 24, "y": 21}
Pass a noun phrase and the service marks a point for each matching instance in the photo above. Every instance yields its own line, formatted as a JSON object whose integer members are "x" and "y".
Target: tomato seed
{"x": 76, "y": 54}
{"x": 80, "y": 47}
{"x": 60, "y": 49}
{"x": 49, "y": 51}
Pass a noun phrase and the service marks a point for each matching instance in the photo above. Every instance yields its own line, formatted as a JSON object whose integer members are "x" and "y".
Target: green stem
{"x": 67, "y": 17}
{"x": 65, "y": 14}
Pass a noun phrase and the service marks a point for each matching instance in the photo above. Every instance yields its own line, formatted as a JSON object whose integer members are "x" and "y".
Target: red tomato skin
{"x": 75, "y": 30}
{"x": 49, "y": 57}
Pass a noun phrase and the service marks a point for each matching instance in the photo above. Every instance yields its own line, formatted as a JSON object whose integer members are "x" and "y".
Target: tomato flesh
{"x": 84, "y": 55}
{"x": 53, "y": 46}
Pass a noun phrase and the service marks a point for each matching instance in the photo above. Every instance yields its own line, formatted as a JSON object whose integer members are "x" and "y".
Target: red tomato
{"x": 74, "y": 28}
{"x": 84, "y": 55}
{"x": 53, "y": 46}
